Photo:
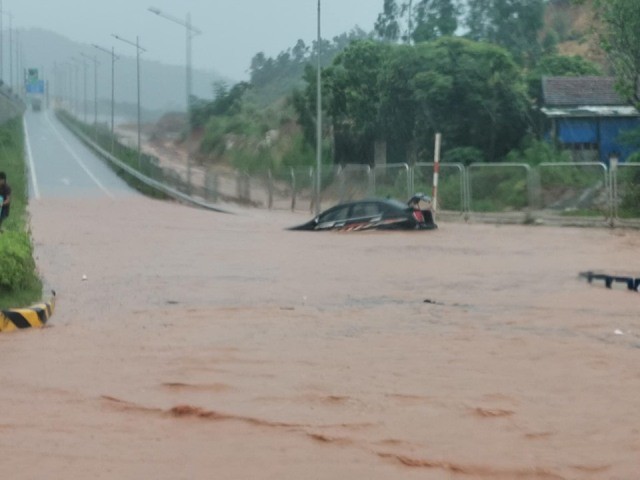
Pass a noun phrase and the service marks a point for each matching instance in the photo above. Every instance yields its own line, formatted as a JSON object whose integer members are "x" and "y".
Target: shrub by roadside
{"x": 19, "y": 282}
{"x": 16, "y": 262}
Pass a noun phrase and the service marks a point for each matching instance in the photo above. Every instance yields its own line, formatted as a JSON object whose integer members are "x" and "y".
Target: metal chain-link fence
{"x": 565, "y": 193}
{"x": 589, "y": 192}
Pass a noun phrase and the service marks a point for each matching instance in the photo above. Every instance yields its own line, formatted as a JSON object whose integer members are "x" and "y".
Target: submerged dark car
{"x": 378, "y": 214}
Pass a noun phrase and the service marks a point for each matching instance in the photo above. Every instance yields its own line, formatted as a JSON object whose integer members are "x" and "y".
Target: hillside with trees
{"x": 469, "y": 69}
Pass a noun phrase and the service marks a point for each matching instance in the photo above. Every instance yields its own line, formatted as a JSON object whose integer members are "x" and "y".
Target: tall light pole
{"x": 191, "y": 32}
{"x": 19, "y": 71}
{"x": 75, "y": 89}
{"x": 84, "y": 82}
{"x": 319, "y": 113}
{"x": 94, "y": 59}
{"x": 1, "y": 42}
{"x": 68, "y": 86}
{"x": 10, "y": 15}
{"x": 114, "y": 57}
{"x": 138, "y": 50}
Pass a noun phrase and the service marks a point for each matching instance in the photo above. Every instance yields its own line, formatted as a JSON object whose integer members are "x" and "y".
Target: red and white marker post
{"x": 436, "y": 174}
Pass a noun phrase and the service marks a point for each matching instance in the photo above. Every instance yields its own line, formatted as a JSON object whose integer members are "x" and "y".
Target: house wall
{"x": 595, "y": 138}
{"x": 610, "y": 128}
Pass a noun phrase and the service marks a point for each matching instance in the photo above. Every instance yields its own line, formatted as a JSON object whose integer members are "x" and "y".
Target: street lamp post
{"x": 1, "y": 41}
{"x": 84, "y": 83}
{"x": 94, "y": 59}
{"x": 10, "y": 15}
{"x": 113, "y": 88}
{"x": 191, "y": 32}
{"x": 68, "y": 86}
{"x": 73, "y": 88}
{"x": 319, "y": 114}
{"x": 138, "y": 50}
{"x": 19, "y": 84}
{"x": 76, "y": 88}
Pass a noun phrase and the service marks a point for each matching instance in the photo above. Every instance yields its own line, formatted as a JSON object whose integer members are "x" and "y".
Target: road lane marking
{"x": 78, "y": 159}
{"x": 32, "y": 167}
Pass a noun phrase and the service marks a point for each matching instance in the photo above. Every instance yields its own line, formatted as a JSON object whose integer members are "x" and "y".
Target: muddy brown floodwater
{"x": 210, "y": 346}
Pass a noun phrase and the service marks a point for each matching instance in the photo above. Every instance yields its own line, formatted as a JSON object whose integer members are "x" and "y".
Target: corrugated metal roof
{"x": 591, "y": 111}
{"x": 578, "y": 91}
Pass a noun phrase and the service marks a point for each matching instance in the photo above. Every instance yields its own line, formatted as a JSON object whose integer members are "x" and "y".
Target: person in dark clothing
{"x": 5, "y": 195}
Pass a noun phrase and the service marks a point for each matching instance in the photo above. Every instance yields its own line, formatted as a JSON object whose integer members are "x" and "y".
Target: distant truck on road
{"x": 35, "y": 89}
{"x": 36, "y": 104}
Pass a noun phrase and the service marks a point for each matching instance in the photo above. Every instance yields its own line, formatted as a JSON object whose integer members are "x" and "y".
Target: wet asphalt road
{"x": 60, "y": 166}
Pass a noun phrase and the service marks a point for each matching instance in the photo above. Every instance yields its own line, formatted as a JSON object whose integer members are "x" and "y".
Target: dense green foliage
{"x": 471, "y": 92}
{"x": 558, "y": 66}
{"x": 512, "y": 24}
{"x": 272, "y": 78}
{"x": 16, "y": 261}
{"x": 620, "y": 38}
{"x": 390, "y": 91}
{"x": 19, "y": 282}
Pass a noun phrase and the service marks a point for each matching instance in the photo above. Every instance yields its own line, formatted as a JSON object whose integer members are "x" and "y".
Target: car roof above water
{"x": 391, "y": 202}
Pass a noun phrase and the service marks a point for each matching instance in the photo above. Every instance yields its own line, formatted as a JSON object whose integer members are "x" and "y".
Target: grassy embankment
{"x": 19, "y": 282}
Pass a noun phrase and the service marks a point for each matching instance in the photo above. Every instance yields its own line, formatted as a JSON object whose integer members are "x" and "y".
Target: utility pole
{"x": 138, "y": 50}
{"x": 10, "y": 50}
{"x": 319, "y": 114}
{"x": 191, "y": 32}
{"x": 1, "y": 41}
{"x": 94, "y": 59}
{"x": 84, "y": 82}
{"x": 111, "y": 52}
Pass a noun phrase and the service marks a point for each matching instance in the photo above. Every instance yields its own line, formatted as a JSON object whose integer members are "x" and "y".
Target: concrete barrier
{"x": 35, "y": 316}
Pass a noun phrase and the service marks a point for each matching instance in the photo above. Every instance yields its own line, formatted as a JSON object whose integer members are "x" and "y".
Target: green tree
{"x": 473, "y": 93}
{"x": 558, "y": 66}
{"x": 387, "y": 26}
{"x": 435, "y": 18}
{"x": 512, "y": 24}
{"x": 620, "y": 38}
{"x": 353, "y": 99}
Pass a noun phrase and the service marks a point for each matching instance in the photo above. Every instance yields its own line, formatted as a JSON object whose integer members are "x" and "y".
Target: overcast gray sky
{"x": 233, "y": 30}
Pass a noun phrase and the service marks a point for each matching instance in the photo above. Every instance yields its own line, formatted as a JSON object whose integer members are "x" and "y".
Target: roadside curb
{"x": 35, "y": 316}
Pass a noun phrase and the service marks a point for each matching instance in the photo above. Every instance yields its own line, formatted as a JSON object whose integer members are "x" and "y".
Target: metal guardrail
{"x": 161, "y": 187}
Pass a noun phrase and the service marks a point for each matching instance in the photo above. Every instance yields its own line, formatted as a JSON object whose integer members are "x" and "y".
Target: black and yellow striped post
{"x": 35, "y": 316}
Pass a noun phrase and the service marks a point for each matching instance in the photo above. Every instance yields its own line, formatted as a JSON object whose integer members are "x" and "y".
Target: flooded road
{"x": 207, "y": 346}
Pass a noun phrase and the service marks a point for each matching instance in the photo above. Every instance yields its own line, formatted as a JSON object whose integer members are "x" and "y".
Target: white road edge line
{"x": 77, "y": 158}
{"x": 32, "y": 166}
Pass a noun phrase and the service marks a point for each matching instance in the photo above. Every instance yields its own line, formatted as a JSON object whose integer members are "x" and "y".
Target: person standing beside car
{"x": 5, "y": 195}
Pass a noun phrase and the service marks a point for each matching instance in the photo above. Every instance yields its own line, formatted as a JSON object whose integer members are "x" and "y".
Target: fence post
{"x": 342, "y": 183}
{"x": 270, "y": 188}
{"x": 409, "y": 179}
{"x": 613, "y": 189}
{"x": 211, "y": 181}
{"x": 371, "y": 187}
{"x": 311, "y": 203}
{"x": 294, "y": 188}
